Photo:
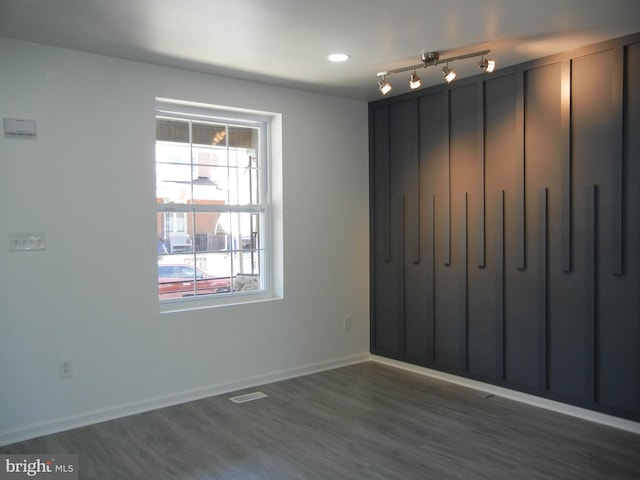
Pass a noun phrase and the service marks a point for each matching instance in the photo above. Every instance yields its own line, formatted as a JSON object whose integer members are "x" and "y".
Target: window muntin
{"x": 211, "y": 206}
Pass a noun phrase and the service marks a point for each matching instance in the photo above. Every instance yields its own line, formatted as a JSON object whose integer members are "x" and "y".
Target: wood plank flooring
{"x": 366, "y": 421}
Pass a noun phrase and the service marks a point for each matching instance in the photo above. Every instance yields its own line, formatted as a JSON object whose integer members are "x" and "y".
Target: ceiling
{"x": 286, "y": 42}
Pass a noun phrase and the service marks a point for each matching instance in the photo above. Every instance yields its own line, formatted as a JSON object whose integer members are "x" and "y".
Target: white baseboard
{"x": 90, "y": 418}
{"x": 559, "y": 407}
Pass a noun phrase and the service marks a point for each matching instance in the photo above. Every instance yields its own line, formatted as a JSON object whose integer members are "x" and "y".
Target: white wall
{"x": 88, "y": 182}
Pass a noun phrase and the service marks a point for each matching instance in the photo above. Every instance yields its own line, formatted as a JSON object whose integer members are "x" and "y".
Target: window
{"x": 212, "y": 203}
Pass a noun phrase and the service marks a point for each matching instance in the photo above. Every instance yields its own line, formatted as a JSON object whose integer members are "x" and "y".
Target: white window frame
{"x": 181, "y": 110}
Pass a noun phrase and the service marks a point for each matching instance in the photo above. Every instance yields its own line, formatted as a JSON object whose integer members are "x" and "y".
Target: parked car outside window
{"x": 178, "y": 281}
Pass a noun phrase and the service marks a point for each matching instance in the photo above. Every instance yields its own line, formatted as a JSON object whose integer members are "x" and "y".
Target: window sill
{"x": 191, "y": 304}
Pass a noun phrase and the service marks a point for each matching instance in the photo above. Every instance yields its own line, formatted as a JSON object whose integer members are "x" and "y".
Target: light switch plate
{"x": 27, "y": 241}
{"x": 20, "y": 128}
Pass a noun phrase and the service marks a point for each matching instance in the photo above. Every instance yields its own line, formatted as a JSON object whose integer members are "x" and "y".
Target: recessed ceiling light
{"x": 338, "y": 57}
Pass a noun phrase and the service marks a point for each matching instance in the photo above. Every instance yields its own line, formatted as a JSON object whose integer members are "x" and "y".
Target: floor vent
{"x": 248, "y": 397}
{"x": 484, "y": 395}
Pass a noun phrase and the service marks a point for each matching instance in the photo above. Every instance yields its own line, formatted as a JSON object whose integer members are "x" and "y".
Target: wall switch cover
{"x": 27, "y": 241}
{"x": 19, "y": 128}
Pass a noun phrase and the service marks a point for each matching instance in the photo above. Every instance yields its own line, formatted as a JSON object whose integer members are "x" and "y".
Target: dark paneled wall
{"x": 505, "y": 227}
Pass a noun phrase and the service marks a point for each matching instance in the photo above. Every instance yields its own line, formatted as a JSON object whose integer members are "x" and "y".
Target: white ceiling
{"x": 286, "y": 42}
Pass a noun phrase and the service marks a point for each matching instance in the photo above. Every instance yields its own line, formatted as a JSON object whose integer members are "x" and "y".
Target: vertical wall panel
{"x": 386, "y": 294}
{"x": 464, "y": 174}
{"x": 568, "y": 329}
{"x": 571, "y": 372}
{"x": 545, "y": 154}
{"x": 433, "y": 198}
{"x": 619, "y": 328}
{"x": 405, "y": 152}
{"x": 381, "y": 199}
{"x": 505, "y": 171}
{"x": 546, "y": 150}
{"x": 497, "y": 179}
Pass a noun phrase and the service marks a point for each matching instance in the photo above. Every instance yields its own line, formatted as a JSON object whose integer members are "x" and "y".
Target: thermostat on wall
{"x": 19, "y": 128}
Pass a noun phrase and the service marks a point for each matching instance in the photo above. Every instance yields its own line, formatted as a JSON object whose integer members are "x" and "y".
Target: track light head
{"x": 384, "y": 86}
{"x": 448, "y": 74}
{"x": 414, "y": 81}
{"x": 487, "y": 65}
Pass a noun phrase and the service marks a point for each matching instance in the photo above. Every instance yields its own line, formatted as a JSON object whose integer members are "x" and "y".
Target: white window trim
{"x": 273, "y": 234}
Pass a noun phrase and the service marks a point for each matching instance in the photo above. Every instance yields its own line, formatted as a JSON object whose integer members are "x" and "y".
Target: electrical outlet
{"x": 65, "y": 368}
{"x": 347, "y": 323}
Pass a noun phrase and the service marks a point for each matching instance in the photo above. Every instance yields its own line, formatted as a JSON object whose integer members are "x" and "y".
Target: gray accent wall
{"x": 505, "y": 227}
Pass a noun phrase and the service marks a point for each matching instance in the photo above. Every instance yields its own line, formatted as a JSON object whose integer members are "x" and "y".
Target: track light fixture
{"x": 414, "y": 81}
{"x": 487, "y": 65}
{"x": 431, "y": 59}
{"x": 384, "y": 86}
{"x": 448, "y": 74}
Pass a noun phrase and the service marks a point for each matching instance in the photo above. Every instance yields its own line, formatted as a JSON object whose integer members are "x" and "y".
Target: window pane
{"x": 242, "y": 229}
{"x": 175, "y": 233}
{"x": 243, "y": 137}
{"x": 172, "y": 130}
{"x": 209, "y": 155}
{"x": 246, "y": 262}
{"x": 247, "y": 283}
{"x": 210, "y": 233}
{"x": 211, "y": 189}
{"x": 209, "y": 134}
{"x": 210, "y": 186}
{"x": 244, "y": 184}
{"x": 175, "y": 280}
{"x": 178, "y": 153}
{"x": 215, "y": 264}
{"x": 174, "y": 173}
{"x": 186, "y": 280}
{"x": 173, "y": 183}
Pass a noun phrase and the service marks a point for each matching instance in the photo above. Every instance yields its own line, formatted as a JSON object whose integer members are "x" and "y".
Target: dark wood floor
{"x": 366, "y": 421}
